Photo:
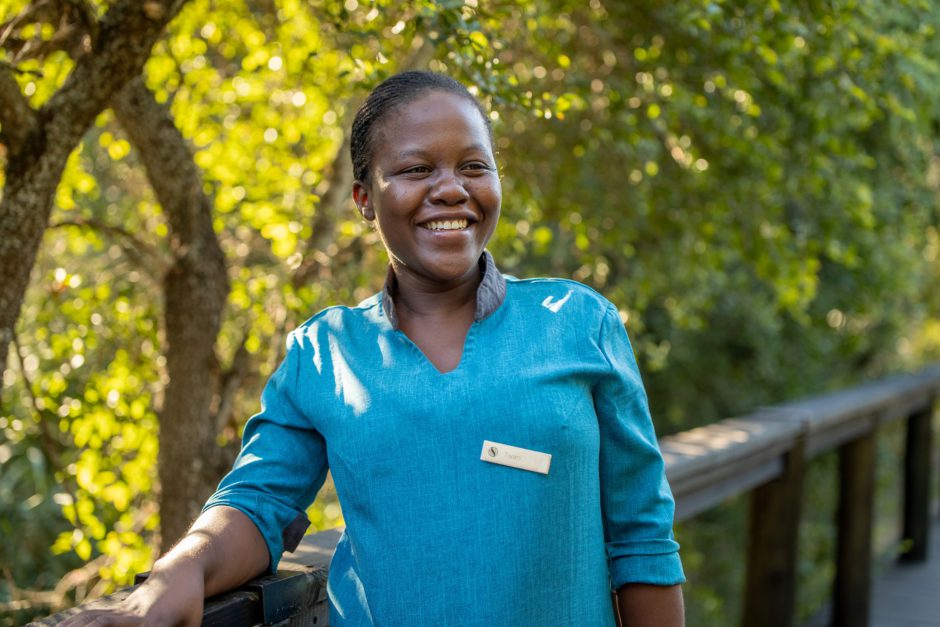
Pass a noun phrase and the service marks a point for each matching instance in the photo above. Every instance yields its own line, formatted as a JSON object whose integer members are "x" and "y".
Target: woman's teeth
{"x": 445, "y": 225}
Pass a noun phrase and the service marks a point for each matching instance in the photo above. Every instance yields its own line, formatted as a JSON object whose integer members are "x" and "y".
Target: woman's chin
{"x": 452, "y": 269}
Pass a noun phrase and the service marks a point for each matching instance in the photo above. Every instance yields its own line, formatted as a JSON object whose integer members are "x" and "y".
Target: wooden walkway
{"x": 908, "y": 595}
{"x": 903, "y": 595}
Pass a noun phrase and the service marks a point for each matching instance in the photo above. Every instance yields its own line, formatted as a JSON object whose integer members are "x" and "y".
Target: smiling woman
{"x": 433, "y": 192}
{"x": 512, "y": 408}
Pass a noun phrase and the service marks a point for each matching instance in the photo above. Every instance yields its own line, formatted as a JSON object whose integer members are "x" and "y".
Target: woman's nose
{"x": 448, "y": 188}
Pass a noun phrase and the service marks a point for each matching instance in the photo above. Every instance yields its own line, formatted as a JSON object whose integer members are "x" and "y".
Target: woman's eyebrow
{"x": 476, "y": 147}
{"x": 417, "y": 152}
{"x": 420, "y": 152}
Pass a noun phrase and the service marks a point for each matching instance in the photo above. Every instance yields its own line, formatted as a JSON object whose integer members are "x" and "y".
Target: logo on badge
{"x": 493, "y": 451}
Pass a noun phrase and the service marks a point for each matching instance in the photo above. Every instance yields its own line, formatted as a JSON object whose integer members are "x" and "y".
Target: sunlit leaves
{"x": 729, "y": 174}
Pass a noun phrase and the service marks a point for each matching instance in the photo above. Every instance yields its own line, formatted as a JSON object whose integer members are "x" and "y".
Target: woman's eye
{"x": 476, "y": 165}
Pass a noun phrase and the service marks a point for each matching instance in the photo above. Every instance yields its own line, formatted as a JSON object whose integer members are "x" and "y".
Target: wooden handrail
{"x": 708, "y": 464}
{"x": 763, "y": 453}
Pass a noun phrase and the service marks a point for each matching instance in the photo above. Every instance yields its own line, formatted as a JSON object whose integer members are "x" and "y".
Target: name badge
{"x": 515, "y": 457}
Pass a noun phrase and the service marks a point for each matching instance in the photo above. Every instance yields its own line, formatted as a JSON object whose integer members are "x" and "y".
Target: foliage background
{"x": 754, "y": 184}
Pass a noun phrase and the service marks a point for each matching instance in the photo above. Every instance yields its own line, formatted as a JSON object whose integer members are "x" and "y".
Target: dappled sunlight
{"x": 385, "y": 350}
{"x": 317, "y": 359}
{"x": 722, "y": 436}
{"x": 247, "y": 458}
{"x": 553, "y": 305}
{"x": 348, "y": 386}
{"x": 752, "y": 185}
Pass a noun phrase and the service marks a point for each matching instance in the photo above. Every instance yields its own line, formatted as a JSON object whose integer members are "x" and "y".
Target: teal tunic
{"x": 435, "y": 534}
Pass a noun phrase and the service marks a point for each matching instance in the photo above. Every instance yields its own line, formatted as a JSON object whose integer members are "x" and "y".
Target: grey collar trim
{"x": 490, "y": 294}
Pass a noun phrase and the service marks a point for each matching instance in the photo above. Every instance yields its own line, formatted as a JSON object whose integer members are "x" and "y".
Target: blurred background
{"x": 754, "y": 184}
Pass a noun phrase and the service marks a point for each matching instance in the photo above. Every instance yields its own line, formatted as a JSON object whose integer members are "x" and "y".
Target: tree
{"x": 110, "y": 52}
{"x": 743, "y": 181}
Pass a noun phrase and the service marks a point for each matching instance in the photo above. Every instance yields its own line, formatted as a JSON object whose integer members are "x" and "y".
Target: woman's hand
{"x": 222, "y": 550}
{"x": 169, "y": 598}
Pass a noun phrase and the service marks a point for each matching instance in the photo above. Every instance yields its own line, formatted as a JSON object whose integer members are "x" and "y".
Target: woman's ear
{"x": 361, "y": 197}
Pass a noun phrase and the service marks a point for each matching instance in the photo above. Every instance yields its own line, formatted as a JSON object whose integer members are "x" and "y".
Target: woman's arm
{"x": 222, "y": 550}
{"x": 636, "y": 502}
{"x": 644, "y": 605}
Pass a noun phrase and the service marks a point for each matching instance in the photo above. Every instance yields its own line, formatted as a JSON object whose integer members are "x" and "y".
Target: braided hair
{"x": 390, "y": 95}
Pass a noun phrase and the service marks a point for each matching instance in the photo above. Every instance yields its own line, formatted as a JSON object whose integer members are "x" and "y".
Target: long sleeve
{"x": 281, "y": 466}
{"x": 637, "y": 504}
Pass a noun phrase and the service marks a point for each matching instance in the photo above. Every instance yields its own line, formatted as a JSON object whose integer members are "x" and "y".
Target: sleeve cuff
{"x": 660, "y": 570}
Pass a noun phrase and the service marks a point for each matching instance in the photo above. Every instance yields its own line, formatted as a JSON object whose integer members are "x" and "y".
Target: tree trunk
{"x": 32, "y": 175}
{"x": 39, "y": 142}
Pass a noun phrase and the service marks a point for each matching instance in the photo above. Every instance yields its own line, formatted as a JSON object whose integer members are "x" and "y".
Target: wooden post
{"x": 917, "y": 475}
{"x": 853, "y": 558}
{"x": 773, "y": 526}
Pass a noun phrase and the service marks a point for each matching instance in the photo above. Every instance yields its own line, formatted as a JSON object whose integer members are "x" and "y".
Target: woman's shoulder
{"x": 569, "y": 307}
{"x": 339, "y": 319}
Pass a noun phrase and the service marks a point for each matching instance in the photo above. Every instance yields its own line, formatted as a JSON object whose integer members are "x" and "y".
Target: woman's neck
{"x": 419, "y": 299}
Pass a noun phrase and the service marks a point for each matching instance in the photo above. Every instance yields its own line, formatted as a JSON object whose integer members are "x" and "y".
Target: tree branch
{"x": 121, "y": 44}
{"x": 224, "y": 406}
{"x": 50, "y": 445}
{"x": 172, "y": 173}
{"x": 48, "y": 442}
{"x": 140, "y": 252}
{"x": 329, "y": 208}
{"x": 231, "y": 383}
{"x": 39, "y": 11}
{"x": 74, "y": 22}
{"x": 18, "y": 120}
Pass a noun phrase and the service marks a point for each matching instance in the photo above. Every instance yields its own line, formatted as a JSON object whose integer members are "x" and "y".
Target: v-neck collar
{"x": 490, "y": 293}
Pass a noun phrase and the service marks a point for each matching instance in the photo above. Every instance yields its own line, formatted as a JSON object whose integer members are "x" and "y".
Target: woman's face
{"x": 434, "y": 192}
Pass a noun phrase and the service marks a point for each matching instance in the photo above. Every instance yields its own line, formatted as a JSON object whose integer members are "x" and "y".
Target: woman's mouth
{"x": 446, "y": 225}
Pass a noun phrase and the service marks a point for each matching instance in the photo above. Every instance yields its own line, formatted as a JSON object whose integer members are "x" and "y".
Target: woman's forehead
{"x": 437, "y": 107}
{"x": 435, "y": 117}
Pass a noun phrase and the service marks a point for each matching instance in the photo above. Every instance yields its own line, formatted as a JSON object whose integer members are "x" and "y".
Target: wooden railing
{"x": 764, "y": 454}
